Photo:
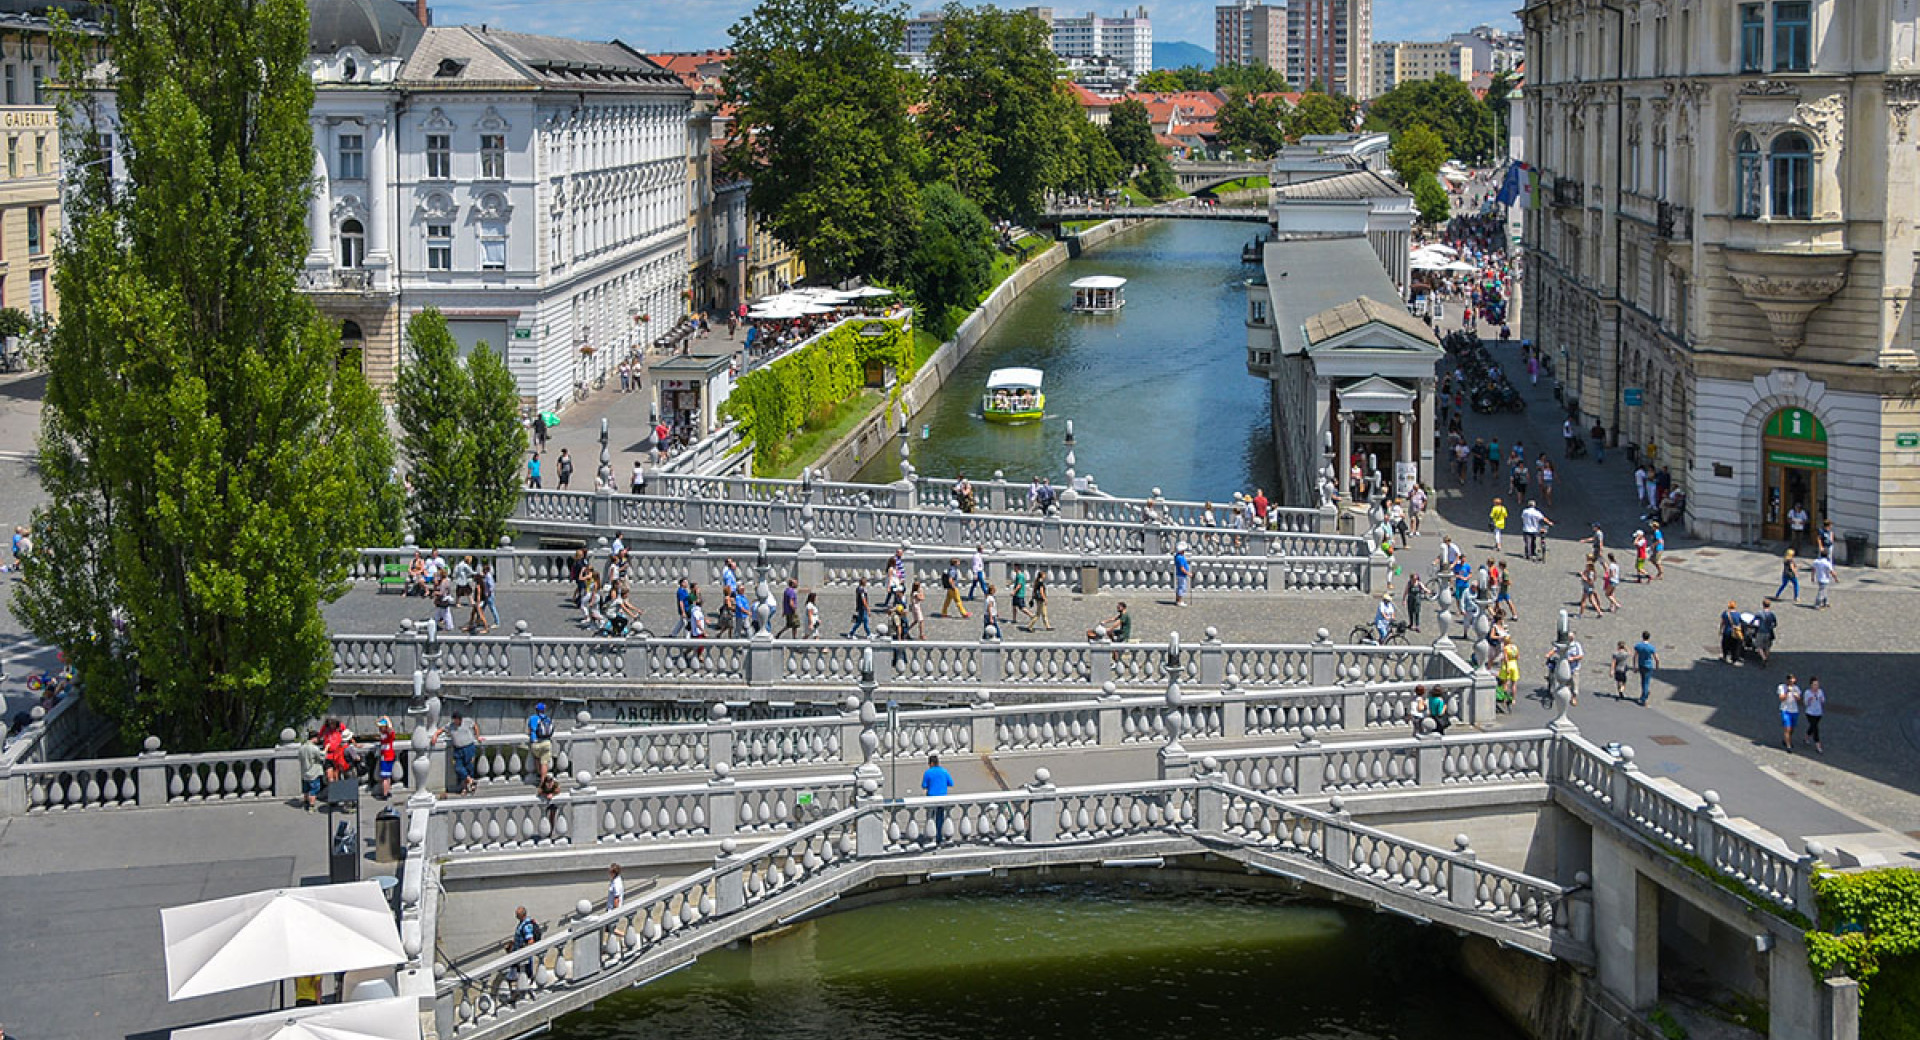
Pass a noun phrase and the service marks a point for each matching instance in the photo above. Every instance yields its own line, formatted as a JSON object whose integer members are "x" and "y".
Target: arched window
{"x": 1747, "y": 196}
{"x": 353, "y": 345}
{"x": 1791, "y": 168}
{"x": 353, "y": 244}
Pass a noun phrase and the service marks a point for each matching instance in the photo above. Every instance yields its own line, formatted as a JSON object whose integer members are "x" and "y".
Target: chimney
{"x": 420, "y": 11}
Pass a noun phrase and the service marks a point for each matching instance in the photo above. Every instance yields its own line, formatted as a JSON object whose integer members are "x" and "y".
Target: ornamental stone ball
{"x": 584, "y": 778}
{"x": 583, "y": 908}
{"x": 722, "y": 770}
{"x": 717, "y": 712}
{"x": 583, "y": 717}
{"x": 727, "y": 846}
{"x": 1043, "y": 776}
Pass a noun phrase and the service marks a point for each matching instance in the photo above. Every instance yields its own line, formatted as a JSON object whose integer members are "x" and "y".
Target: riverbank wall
{"x": 877, "y": 433}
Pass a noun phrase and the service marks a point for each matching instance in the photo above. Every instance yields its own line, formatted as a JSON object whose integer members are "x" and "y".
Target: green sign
{"x": 522, "y": 333}
{"x": 1632, "y": 394}
{"x": 1788, "y": 458}
{"x": 1796, "y": 424}
{"x": 1910, "y": 439}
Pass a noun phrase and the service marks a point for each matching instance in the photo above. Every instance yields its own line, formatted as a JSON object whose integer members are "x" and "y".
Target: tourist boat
{"x": 1013, "y": 396}
{"x": 1098, "y": 294}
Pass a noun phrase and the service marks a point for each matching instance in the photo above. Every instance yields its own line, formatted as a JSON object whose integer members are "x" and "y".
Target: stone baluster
{"x": 583, "y": 811}
{"x": 1579, "y": 907}
{"x": 1463, "y": 880}
{"x": 1337, "y": 843}
{"x": 723, "y": 801}
{"x": 730, "y": 884}
{"x": 1321, "y": 658}
{"x": 1213, "y": 658}
{"x": 580, "y": 745}
{"x": 1310, "y": 765}
{"x": 720, "y": 734}
{"x": 506, "y": 572}
{"x": 589, "y": 933}
{"x": 426, "y": 767}
{"x": 150, "y": 774}
{"x": 1043, "y": 809}
{"x": 763, "y": 664}
{"x": 807, "y": 568}
{"x": 1109, "y": 716}
{"x": 1803, "y": 872}
{"x": 1173, "y": 759}
{"x": 286, "y": 765}
{"x": 870, "y": 828}
{"x": 520, "y": 652}
{"x": 1707, "y": 819}
{"x": 1233, "y": 707}
{"x": 982, "y": 720}
{"x": 1620, "y": 784}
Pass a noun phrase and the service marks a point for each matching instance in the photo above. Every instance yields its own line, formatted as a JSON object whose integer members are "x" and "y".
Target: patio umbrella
{"x": 866, "y": 292}
{"x": 275, "y": 935}
{"x": 1428, "y": 262}
{"x": 817, "y": 308}
{"x": 1461, "y": 267}
{"x": 395, "y": 1018}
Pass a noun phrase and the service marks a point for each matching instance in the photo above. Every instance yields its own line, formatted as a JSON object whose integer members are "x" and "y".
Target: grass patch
{"x": 822, "y": 429}
{"x": 1242, "y": 184}
{"x": 1032, "y": 243}
{"x": 924, "y": 344}
{"x": 1074, "y": 227}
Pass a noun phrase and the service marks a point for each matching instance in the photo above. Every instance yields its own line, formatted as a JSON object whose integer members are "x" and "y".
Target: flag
{"x": 1510, "y": 186}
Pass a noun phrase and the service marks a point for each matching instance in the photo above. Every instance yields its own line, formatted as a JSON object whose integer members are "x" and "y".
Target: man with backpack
{"x": 950, "y": 581}
{"x": 540, "y": 739}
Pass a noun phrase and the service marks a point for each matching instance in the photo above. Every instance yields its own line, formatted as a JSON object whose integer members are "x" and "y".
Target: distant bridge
{"x": 1199, "y": 175}
{"x": 1244, "y": 214}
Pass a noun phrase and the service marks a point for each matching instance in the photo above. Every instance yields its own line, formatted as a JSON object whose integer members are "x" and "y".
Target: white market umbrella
{"x": 278, "y": 934}
{"x": 395, "y": 1018}
{"x": 817, "y": 308}
{"x": 866, "y": 292}
{"x": 1427, "y": 262}
{"x": 1438, "y": 247}
{"x": 775, "y": 312}
{"x": 1461, "y": 267}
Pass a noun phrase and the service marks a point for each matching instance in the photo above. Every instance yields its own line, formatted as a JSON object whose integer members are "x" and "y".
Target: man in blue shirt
{"x": 936, "y": 781}
{"x": 1646, "y": 657}
{"x": 540, "y": 739}
{"x": 1182, "y": 576}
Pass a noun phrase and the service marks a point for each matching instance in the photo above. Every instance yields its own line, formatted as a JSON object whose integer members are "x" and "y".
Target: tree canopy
{"x": 1253, "y": 79}
{"x": 1431, "y": 199}
{"x": 1416, "y": 152}
{"x": 460, "y": 436}
{"x": 833, "y": 156}
{"x": 1446, "y": 105}
{"x": 1252, "y": 122}
{"x": 999, "y": 121}
{"x": 210, "y": 467}
{"x": 1130, "y": 132}
{"x": 952, "y": 259}
{"x": 1320, "y": 113}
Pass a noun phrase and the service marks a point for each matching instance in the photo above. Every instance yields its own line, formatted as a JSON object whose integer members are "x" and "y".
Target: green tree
{"x": 1252, "y": 122}
{"x": 1254, "y": 79}
{"x": 1499, "y": 101}
{"x": 1444, "y": 103}
{"x": 822, "y": 108}
{"x": 1157, "y": 179}
{"x": 999, "y": 121}
{"x": 1319, "y": 114}
{"x": 1159, "y": 81}
{"x": 1431, "y": 199}
{"x": 1131, "y": 134}
{"x": 460, "y": 435}
{"x": 430, "y": 404}
{"x": 1416, "y": 152}
{"x": 1097, "y": 166}
{"x": 952, "y": 259}
{"x": 206, "y": 462}
{"x": 497, "y": 444}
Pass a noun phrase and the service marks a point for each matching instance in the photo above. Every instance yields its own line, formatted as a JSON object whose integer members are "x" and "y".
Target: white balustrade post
{"x": 520, "y": 651}
{"x": 580, "y": 746}
{"x": 1043, "y": 809}
{"x": 1210, "y": 802}
{"x": 982, "y": 721}
{"x": 1051, "y": 538}
{"x": 723, "y": 801}
{"x": 870, "y": 827}
{"x": 1321, "y": 658}
{"x": 286, "y": 765}
{"x": 719, "y": 735}
{"x": 1481, "y": 702}
{"x": 729, "y": 885}
{"x": 808, "y": 569}
{"x": 1100, "y": 665}
{"x": 1707, "y": 819}
{"x": 406, "y": 649}
{"x": 1278, "y": 568}
{"x": 992, "y": 665}
{"x": 506, "y": 570}
{"x": 1842, "y": 1018}
{"x": 1353, "y": 709}
{"x": 1233, "y": 708}
{"x": 762, "y": 666}
{"x": 1336, "y": 843}
{"x": 426, "y": 769}
{"x": 1463, "y": 881}
{"x": 13, "y": 793}
{"x": 583, "y": 811}
{"x": 150, "y": 774}
{"x": 863, "y": 523}
{"x": 1111, "y": 717}
{"x": 1803, "y": 872}
{"x": 1310, "y": 765}
{"x": 1580, "y": 908}
{"x": 1213, "y": 659}
{"x": 1620, "y": 783}
{"x": 589, "y": 932}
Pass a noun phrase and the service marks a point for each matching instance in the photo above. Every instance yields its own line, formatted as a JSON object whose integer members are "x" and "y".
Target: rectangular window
{"x": 493, "y": 245}
{"x": 40, "y": 167}
{"x": 493, "y": 156}
{"x": 13, "y": 92}
{"x": 40, "y": 84}
{"x": 1747, "y": 186}
{"x": 353, "y": 157}
{"x": 439, "y": 156}
{"x": 103, "y": 153}
{"x": 36, "y": 230}
{"x": 1753, "y": 37}
{"x": 1792, "y": 36}
{"x": 37, "y": 292}
{"x": 13, "y": 155}
{"x": 439, "y": 247}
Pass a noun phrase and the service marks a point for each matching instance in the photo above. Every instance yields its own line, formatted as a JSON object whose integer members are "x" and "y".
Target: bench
{"x": 393, "y": 576}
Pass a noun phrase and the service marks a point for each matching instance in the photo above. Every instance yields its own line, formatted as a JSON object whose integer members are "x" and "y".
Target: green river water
{"x": 1067, "y": 962}
{"x": 1159, "y": 394}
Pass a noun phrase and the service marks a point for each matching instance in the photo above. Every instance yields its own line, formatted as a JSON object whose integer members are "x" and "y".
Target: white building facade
{"x": 1725, "y": 260}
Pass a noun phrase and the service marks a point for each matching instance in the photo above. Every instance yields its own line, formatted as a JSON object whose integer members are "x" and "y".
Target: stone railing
{"x": 1003, "y": 496}
{"x": 591, "y": 514}
{"x": 1675, "y": 817}
{"x": 921, "y": 664}
{"x": 1039, "y": 825}
{"x": 63, "y": 731}
{"x": 1084, "y": 573}
{"x": 718, "y": 452}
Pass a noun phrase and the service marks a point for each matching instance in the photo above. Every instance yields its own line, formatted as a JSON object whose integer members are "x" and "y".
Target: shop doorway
{"x": 1794, "y": 471}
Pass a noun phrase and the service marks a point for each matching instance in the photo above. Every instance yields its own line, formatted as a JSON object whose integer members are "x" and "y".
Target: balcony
{"x": 1568, "y": 193}
{"x": 339, "y": 279}
{"x": 1674, "y": 223}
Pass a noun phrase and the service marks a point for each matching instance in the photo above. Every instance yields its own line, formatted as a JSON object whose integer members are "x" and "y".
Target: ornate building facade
{"x": 1722, "y": 259}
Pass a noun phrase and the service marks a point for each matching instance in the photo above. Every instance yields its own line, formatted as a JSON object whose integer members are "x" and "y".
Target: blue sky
{"x": 680, "y": 25}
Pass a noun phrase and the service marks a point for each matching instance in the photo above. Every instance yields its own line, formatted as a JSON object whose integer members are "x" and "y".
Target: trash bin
{"x": 386, "y": 836}
{"x": 1856, "y": 549}
{"x": 1089, "y": 579}
{"x": 343, "y": 851}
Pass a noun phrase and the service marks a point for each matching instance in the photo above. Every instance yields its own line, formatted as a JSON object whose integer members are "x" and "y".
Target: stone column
{"x": 1424, "y": 434}
{"x": 320, "y": 249}
{"x": 1626, "y": 926}
{"x": 378, "y": 209}
{"x": 1343, "y": 451}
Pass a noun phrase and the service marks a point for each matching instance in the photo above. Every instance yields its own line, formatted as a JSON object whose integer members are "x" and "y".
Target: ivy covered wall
{"x": 1870, "y": 931}
{"x": 773, "y": 402}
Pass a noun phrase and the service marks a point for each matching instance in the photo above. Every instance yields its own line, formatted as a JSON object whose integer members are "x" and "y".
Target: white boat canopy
{"x": 1099, "y": 281}
{"x": 1015, "y": 379}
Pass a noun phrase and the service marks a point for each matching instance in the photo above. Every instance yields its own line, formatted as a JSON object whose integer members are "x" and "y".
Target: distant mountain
{"x": 1178, "y": 54}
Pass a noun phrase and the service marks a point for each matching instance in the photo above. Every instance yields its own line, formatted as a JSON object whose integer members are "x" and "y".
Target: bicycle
{"x": 38, "y": 681}
{"x": 1365, "y": 634}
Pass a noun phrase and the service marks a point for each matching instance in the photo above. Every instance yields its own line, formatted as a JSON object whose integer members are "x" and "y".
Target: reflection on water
{"x": 1067, "y": 962}
{"x": 1159, "y": 394}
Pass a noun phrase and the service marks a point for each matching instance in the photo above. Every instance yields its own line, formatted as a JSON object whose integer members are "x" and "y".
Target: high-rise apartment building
{"x": 1249, "y": 32}
{"x": 1330, "y": 43}
{"x": 1397, "y": 63}
{"x": 1126, "y": 41}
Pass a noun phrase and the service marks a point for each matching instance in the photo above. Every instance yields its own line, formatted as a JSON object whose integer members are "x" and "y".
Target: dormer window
{"x": 450, "y": 67}
{"x": 349, "y": 69}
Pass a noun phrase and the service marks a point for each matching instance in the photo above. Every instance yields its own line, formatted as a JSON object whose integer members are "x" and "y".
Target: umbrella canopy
{"x": 1462, "y": 267}
{"x": 775, "y": 311}
{"x": 396, "y": 1018}
{"x": 1428, "y": 262}
{"x": 865, "y": 292}
{"x": 278, "y": 934}
{"x": 821, "y": 307}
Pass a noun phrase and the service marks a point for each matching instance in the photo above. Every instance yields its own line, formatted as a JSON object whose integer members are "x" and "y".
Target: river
{"x": 1068, "y": 962}
{"x": 1159, "y": 394}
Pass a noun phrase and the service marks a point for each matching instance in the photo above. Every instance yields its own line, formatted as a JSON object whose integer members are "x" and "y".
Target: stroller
{"x": 613, "y": 625}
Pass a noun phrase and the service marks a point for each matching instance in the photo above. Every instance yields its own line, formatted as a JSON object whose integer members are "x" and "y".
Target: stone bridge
{"x": 1199, "y": 175}
{"x": 1061, "y": 213}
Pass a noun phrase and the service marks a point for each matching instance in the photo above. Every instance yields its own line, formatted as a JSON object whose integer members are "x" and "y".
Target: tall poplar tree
{"x": 207, "y": 463}
{"x": 429, "y": 404}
